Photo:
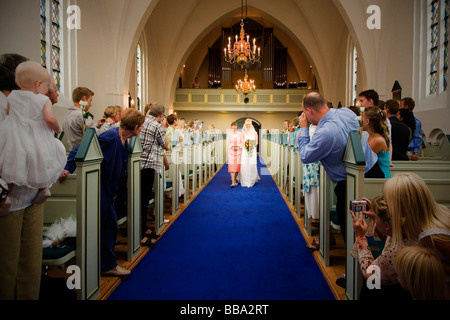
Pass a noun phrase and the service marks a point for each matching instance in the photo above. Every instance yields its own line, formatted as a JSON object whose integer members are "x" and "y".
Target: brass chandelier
{"x": 242, "y": 52}
{"x": 246, "y": 87}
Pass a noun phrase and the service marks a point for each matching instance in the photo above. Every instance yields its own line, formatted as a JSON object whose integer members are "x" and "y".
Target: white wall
{"x": 110, "y": 29}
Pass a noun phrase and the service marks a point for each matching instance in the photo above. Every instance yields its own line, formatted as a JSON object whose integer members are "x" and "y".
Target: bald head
{"x": 30, "y": 72}
{"x": 53, "y": 93}
{"x": 315, "y": 101}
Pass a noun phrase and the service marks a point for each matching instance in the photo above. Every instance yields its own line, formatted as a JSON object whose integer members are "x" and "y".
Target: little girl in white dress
{"x": 31, "y": 155}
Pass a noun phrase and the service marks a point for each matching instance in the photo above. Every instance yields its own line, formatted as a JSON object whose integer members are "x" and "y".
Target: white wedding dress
{"x": 248, "y": 175}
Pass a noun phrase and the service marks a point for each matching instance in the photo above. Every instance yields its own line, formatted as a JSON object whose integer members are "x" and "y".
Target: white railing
{"x": 230, "y": 100}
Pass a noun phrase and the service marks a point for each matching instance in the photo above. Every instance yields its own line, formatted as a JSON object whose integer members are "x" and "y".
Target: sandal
{"x": 151, "y": 235}
{"x": 148, "y": 242}
{"x": 314, "y": 245}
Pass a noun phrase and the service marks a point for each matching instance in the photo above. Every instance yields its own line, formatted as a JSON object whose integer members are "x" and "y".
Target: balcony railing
{"x": 230, "y": 100}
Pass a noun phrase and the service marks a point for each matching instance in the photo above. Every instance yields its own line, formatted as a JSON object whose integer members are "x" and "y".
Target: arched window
{"x": 355, "y": 75}
{"x": 351, "y": 74}
{"x": 438, "y": 16}
{"x": 139, "y": 78}
{"x": 51, "y": 38}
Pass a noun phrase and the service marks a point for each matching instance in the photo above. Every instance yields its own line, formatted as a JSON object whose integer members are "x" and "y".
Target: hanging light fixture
{"x": 242, "y": 52}
{"x": 246, "y": 87}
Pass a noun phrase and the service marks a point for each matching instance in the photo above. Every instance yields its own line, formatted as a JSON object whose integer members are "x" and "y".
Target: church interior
{"x": 134, "y": 53}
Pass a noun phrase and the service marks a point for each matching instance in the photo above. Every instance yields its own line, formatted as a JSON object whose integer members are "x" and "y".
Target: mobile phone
{"x": 358, "y": 205}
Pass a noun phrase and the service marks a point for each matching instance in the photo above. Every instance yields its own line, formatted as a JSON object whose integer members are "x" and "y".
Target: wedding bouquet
{"x": 250, "y": 145}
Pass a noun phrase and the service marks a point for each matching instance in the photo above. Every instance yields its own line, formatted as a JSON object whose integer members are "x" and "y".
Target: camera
{"x": 3, "y": 190}
{"x": 357, "y": 206}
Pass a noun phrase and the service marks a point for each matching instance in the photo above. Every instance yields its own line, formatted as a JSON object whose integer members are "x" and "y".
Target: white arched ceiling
{"x": 174, "y": 28}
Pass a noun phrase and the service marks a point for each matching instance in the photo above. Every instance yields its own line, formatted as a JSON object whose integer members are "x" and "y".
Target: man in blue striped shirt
{"x": 329, "y": 143}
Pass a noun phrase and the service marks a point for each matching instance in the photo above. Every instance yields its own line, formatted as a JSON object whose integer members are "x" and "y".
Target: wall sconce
{"x": 130, "y": 101}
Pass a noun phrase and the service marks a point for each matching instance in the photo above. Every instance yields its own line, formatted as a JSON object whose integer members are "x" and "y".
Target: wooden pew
{"x": 431, "y": 169}
{"x": 440, "y": 152}
{"x": 134, "y": 198}
{"x": 186, "y": 171}
{"x": 358, "y": 187}
{"x": 173, "y": 176}
{"x": 79, "y": 195}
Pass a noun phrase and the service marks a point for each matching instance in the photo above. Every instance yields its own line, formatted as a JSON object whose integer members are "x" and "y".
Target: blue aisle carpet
{"x": 229, "y": 244}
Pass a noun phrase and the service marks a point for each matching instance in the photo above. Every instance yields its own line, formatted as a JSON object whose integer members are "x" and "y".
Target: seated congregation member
{"x": 380, "y": 224}
{"x": 416, "y": 142}
{"x": 421, "y": 273}
{"x": 399, "y": 131}
{"x": 153, "y": 140}
{"x": 114, "y": 145}
{"x": 373, "y": 120}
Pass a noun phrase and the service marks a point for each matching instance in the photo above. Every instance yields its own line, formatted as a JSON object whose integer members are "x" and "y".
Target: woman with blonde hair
{"x": 380, "y": 222}
{"x": 248, "y": 175}
{"x": 421, "y": 273}
{"x": 416, "y": 216}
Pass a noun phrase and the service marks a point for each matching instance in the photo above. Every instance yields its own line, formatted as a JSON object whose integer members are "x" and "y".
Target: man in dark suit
{"x": 399, "y": 132}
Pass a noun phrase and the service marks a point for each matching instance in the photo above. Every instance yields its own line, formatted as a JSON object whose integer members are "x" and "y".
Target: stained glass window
{"x": 434, "y": 50}
{"x": 43, "y": 33}
{"x": 355, "y": 73}
{"x": 438, "y": 45}
{"x": 139, "y": 77}
{"x": 55, "y": 36}
{"x": 445, "y": 54}
{"x": 51, "y": 38}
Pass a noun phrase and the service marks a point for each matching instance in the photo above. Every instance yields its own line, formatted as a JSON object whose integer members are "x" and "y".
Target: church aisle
{"x": 229, "y": 244}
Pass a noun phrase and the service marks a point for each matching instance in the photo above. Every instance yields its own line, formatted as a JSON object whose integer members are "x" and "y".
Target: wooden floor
{"x": 331, "y": 273}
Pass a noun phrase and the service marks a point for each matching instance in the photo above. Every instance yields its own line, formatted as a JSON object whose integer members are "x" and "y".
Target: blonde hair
{"x": 380, "y": 207}
{"x": 421, "y": 272}
{"x": 111, "y": 111}
{"x": 30, "y": 72}
{"x": 192, "y": 122}
{"x": 413, "y": 209}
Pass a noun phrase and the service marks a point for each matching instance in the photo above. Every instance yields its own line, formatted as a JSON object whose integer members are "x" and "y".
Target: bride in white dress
{"x": 248, "y": 175}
